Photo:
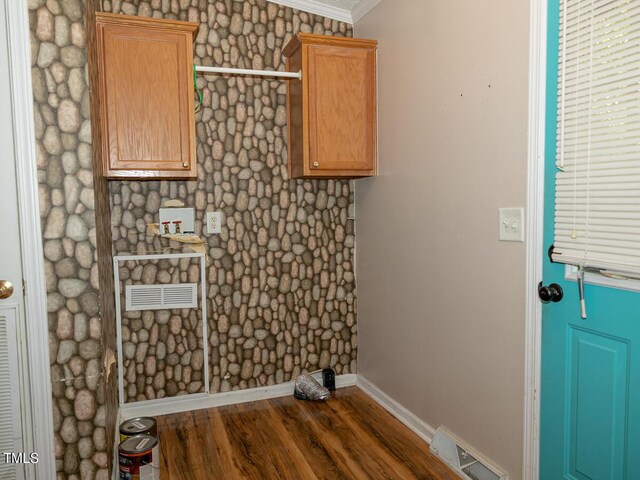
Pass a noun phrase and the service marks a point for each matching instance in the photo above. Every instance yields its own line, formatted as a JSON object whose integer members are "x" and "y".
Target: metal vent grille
{"x": 462, "y": 459}
{"x": 10, "y": 440}
{"x": 161, "y": 297}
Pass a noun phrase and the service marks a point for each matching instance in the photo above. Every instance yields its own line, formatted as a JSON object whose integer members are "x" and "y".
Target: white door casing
{"x": 534, "y": 229}
{"x": 22, "y": 239}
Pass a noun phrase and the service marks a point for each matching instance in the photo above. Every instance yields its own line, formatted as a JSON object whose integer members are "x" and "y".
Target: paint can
{"x": 139, "y": 458}
{"x": 138, "y": 426}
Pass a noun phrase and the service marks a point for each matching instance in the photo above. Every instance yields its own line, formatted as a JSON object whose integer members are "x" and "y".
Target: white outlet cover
{"x": 512, "y": 224}
{"x": 214, "y": 222}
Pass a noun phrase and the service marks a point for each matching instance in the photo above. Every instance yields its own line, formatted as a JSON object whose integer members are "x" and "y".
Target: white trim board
{"x": 362, "y": 8}
{"x": 534, "y": 228}
{"x": 116, "y": 442}
{"x": 187, "y": 403}
{"x": 421, "y": 428}
{"x": 329, "y": 11}
{"x": 37, "y": 341}
{"x": 203, "y": 309}
{"x": 409, "y": 419}
{"x": 342, "y": 14}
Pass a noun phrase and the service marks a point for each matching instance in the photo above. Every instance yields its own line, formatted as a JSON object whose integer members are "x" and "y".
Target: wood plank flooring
{"x": 348, "y": 437}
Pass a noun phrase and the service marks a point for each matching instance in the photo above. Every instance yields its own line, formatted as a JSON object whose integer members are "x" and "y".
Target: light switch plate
{"x": 512, "y": 224}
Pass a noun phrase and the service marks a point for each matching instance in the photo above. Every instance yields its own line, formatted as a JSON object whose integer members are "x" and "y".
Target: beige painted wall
{"x": 440, "y": 300}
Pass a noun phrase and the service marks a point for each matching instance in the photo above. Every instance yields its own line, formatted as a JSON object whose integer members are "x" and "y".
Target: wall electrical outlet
{"x": 214, "y": 222}
{"x": 512, "y": 224}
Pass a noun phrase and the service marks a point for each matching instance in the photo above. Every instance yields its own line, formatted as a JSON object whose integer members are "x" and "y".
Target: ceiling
{"x": 344, "y": 10}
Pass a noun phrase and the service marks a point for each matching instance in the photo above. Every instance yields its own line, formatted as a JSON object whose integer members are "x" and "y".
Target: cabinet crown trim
{"x": 313, "y": 39}
{"x": 145, "y": 22}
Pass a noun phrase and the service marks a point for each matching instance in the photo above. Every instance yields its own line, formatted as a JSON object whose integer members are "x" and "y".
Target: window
{"x": 597, "y": 222}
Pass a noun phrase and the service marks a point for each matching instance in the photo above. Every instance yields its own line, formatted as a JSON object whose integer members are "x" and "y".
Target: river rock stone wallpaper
{"x": 281, "y": 276}
{"x": 68, "y": 211}
{"x": 281, "y": 288}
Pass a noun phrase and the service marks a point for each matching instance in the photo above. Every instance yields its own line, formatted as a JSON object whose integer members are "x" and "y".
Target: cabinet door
{"x": 147, "y": 102}
{"x": 342, "y": 110}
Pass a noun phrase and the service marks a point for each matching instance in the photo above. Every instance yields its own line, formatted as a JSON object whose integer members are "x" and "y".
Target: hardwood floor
{"x": 348, "y": 437}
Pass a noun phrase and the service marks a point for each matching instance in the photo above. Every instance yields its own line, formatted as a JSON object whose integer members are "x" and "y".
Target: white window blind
{"x": 597, "y": 222}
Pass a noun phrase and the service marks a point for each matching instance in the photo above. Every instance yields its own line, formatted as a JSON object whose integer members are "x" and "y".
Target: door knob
{"x": 6, "y": 289}
{"x": 552, "y": 293}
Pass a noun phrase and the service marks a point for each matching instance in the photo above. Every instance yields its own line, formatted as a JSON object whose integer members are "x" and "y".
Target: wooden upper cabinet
{"x": 146, "y": 96}
{"x": 332, "y": 112}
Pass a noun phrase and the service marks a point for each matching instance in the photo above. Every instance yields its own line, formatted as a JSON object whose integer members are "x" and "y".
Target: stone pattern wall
{"x": 67, "y": 206}
{"x": 163, "y": 350}
{"x": 281, "y": 284}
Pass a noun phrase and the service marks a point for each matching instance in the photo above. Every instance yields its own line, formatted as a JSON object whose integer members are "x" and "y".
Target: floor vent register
{"x": 462, "y": 459}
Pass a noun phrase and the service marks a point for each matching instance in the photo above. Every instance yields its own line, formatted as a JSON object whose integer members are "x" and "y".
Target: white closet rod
{"x": 244, "y": 71}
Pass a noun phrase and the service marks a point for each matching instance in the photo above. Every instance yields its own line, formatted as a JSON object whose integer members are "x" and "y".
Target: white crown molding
{"x": 311, "y": 6}
{"x": 342, "y": 14}
{"x": 362, "y": 8}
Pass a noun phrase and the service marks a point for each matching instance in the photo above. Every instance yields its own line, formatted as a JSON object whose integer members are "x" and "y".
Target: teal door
{"x": 590, "y": 385}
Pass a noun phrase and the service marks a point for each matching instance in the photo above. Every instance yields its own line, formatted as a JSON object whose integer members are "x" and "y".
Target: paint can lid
{"x": 137, "y": 425}
{"x": 138, "y": 444}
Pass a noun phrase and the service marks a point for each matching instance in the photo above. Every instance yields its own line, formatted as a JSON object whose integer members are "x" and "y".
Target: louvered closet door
{"x": 11, "y": 307}
{"x": 10, "y": 422}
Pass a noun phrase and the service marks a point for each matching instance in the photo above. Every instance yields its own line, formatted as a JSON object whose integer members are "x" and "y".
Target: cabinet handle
{"x": 185, "y": 165}
{"x": 316, "y": 164}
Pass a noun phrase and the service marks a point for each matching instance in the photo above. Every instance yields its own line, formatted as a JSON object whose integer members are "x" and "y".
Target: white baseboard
{"x": 116, "y": 441}
{"x": 187, "y": 403}
{"x": 417, "y": 425}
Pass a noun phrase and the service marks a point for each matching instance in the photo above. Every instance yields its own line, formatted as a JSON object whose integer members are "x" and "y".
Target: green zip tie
{"x": 198, "y": 91}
